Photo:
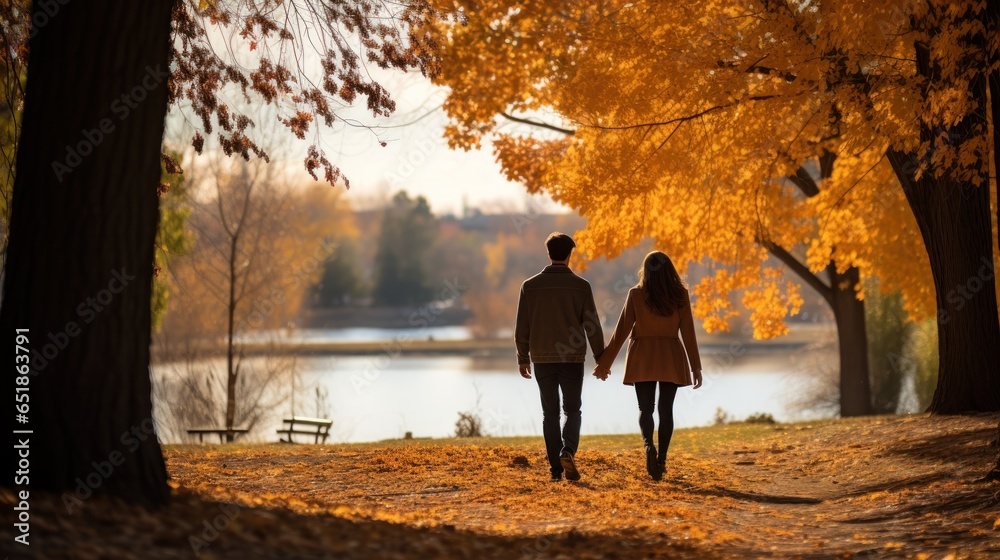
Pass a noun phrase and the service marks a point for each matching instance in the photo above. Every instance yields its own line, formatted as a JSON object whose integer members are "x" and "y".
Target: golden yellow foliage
{"x": 693, "y": 123}
{"x": 489, "y": 299}
{"x": 284, "y": 237}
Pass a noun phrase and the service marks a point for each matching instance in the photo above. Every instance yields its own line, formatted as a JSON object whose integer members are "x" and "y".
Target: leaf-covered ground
{"x": 884, "y": 487}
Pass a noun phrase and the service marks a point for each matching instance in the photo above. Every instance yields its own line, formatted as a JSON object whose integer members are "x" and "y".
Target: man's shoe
{"x": 569, "y": 467}
{"x": 652, "y": 467}
{"x": 556, "y": 477}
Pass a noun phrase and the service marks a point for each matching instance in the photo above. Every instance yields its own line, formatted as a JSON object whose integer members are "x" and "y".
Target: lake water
{"x": 359, "y": 334}
{"x": 369, "y": 399}
{"x": 375, "y": 397}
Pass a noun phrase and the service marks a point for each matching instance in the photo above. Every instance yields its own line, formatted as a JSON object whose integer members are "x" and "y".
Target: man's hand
{"x": 697, "y": 378}
{"x": 525, "y": 370}
{"x": 602, "y": 373}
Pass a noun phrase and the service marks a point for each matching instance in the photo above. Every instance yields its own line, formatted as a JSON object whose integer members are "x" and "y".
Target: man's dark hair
{"x": 559, "y": 246}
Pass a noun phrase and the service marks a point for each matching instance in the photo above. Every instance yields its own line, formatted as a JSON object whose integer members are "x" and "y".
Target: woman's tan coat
{"x": 655, "y": 352}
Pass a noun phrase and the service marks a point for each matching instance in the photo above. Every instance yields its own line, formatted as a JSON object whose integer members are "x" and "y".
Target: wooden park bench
{"x": 316, "y": 427}
{"x": 225, "y": 434}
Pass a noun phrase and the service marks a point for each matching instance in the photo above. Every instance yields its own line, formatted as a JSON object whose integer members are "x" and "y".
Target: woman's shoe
{"x": 662, "y": 465}
{"x": 652, "y": 467}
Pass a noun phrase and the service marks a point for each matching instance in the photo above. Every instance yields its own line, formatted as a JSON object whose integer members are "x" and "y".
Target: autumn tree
{"x": 13, "y": 70}
{"x": 258, "y": 249}
{"x": 401, "y": 273}
{"x": 341, "y": 282}
{"x": 729, "y": 131}
{"x": 76, "y": 233}
{"x": 239, "y": 230}
{"x": 993, "y": 45}
{"x": 84, "y": 197}
{"x": 172, "y": 236}
{"x": 491, "y": 295}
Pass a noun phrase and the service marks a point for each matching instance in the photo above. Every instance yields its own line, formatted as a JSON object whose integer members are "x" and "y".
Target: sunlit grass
{"x": 692, "y": 440}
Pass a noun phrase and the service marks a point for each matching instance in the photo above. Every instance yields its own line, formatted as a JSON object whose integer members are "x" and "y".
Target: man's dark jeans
{"x": 551, "y": 378}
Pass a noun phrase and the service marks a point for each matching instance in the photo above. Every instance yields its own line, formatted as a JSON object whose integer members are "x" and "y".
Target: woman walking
{"x": 657, "y": 309}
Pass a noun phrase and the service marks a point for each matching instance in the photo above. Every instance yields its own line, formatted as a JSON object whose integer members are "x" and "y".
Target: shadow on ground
{"x": 193, "y": 527}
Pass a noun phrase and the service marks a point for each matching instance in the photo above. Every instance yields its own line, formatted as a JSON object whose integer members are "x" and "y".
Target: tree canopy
{"x": 730, "y": 130}
{"x": 306, "y": 59}
{"x": 762, "y": 90}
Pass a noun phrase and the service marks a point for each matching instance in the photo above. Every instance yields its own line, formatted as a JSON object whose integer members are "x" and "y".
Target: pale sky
{"x": 416, "y": 156}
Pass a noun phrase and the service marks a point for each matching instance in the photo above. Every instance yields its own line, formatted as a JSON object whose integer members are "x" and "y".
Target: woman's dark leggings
{"x": 645, "y": 392}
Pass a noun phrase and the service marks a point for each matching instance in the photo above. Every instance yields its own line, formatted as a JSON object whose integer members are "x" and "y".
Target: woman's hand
{"x": 601, "y": 373}
{"x": 697, "y": 378}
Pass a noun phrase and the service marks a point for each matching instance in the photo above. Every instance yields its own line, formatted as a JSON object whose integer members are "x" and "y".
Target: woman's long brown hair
{"x": 661, "y": 285}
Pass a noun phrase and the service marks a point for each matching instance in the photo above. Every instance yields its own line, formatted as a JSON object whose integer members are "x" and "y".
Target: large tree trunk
{"x": 80, "y": 258}
{"x": 993, "y": 27}
{"x": 852, "y": 339}
{"x": 954, "y": 220}
{"x": 841, "y": 295}
{"x": 955, "y": 223}
{"x": 995, "y": 115}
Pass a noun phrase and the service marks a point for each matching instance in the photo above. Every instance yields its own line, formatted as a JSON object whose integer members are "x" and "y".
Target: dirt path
{"x": 888, "y": 486}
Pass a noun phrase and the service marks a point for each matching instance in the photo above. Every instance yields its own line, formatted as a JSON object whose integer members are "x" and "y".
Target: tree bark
{"x": 995, "y": 115}
{"x": 852, "y": 338}
{"x": 80, "y": 259}
{"x": 993, "y": 27}
{"x": 848, "y": 310}
{"x": 230, "y": 340}
{"x": 955, "y": 222}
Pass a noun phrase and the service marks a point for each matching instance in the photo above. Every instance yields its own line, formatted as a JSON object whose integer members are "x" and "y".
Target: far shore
{"x": 417, "y": 344}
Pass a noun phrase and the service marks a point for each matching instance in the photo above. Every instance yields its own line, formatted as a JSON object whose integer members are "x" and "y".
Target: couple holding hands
{"x": 557, "y": 316}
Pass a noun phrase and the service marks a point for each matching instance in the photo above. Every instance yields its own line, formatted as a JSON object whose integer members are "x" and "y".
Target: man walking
{"x": 556, "y": 317}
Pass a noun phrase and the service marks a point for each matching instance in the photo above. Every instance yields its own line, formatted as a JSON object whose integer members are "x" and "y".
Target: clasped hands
{"x": 599, "y": 372}
{"x": 603, "y": 373}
